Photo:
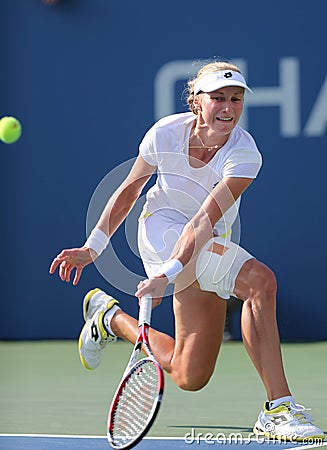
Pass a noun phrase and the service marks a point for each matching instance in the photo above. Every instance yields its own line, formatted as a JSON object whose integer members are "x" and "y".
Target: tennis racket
{"x": 138, "y": 397}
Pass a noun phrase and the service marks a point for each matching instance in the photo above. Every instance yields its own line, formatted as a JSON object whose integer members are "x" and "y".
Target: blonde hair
{"x": 205, "y": 70}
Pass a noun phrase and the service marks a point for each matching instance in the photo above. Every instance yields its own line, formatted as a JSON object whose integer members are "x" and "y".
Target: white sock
{"x": 107, "y": 319}
{"x": 275, "y": 403}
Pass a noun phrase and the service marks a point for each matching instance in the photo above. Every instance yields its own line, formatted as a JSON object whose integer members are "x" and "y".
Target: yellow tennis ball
{"x": 10, "y": 129}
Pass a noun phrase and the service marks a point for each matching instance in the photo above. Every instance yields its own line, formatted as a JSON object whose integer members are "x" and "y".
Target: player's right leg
{"x": 99, "y": 309}
{"x": 199, "y": 329}
{"x": 94, "y": 335}
{"x": 189, "y": 359}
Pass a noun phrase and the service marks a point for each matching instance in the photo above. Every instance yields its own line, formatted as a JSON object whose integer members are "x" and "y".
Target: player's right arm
{"x": 114, "y": 213}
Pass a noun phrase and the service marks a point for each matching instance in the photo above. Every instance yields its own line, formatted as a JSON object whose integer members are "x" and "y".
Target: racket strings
{"x": 136, "y": 403}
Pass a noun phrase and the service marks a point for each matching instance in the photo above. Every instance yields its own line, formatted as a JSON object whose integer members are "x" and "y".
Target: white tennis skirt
{"x": 217, "y": 265}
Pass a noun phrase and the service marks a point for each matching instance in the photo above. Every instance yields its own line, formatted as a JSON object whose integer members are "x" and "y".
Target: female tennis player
{"x": 204, "y": 162}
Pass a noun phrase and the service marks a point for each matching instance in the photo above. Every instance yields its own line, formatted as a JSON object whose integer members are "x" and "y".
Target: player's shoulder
{"x": 169, "y": 132}
{"x": 242, "y": 139}
{"x": 240, "y": 146}
{"x": 174, "y": 121}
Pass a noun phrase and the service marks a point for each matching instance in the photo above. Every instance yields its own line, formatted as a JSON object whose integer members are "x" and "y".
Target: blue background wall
{"x": 87, "y": 78}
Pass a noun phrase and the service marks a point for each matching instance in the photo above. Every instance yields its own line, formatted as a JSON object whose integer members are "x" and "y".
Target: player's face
{"x": 222, "y": 109}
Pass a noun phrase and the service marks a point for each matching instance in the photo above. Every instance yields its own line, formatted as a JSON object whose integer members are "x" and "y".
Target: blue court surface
{"x": 49, "y": 442}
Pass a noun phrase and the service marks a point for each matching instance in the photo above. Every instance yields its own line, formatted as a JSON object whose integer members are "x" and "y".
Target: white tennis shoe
{"x": 94, "y": 337}
{"x": 288, "y": 421}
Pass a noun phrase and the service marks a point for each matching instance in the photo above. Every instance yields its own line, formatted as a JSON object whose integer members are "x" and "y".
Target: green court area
{"x": 44, "y": 389}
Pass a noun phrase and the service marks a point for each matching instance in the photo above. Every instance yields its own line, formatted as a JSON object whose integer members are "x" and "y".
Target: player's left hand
{"x": 155, "y": 286}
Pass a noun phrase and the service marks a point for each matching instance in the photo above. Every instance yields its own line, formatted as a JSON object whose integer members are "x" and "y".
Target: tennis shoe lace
{"x": 298, "y": 411}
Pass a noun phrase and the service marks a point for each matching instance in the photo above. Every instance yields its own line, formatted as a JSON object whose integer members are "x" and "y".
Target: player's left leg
{"x": 256, "y": 285}
{"x": 281, "y": 417}
{"x": 227, "y": 269}
{"x": 224, "y": 267}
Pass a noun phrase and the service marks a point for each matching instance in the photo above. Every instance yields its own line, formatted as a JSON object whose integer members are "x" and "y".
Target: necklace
{"x": 209, "y": 148}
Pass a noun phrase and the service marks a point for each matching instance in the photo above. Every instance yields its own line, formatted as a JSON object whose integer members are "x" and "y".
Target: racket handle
{"x": 145, "y": 309}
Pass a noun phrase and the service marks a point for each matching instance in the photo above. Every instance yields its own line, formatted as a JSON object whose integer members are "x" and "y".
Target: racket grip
{"x": 145, "y": 309}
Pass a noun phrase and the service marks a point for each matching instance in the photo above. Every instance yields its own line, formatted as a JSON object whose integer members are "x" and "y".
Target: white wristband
{"x": 97, "y": 241}
{"x": 171, "y": 269}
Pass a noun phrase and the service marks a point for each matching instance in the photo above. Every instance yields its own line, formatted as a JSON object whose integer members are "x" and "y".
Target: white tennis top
{"x": 180, "y": 189}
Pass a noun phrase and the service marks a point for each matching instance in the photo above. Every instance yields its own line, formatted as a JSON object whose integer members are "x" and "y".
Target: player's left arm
{"x": 199, "y": 229}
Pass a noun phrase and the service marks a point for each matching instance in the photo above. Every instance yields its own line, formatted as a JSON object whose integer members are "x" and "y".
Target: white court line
{"x": 300, "y": 445}
{"x": 79, "y": 436}
{"x": 321, "y": 444}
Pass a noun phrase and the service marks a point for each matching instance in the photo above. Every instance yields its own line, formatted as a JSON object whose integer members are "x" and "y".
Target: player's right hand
{"x": 70, "y": 259}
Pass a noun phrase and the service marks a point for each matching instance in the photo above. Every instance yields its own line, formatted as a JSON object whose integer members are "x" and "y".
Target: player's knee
{"x": 264, "y": 284}
{"x": 193, "y": 381}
